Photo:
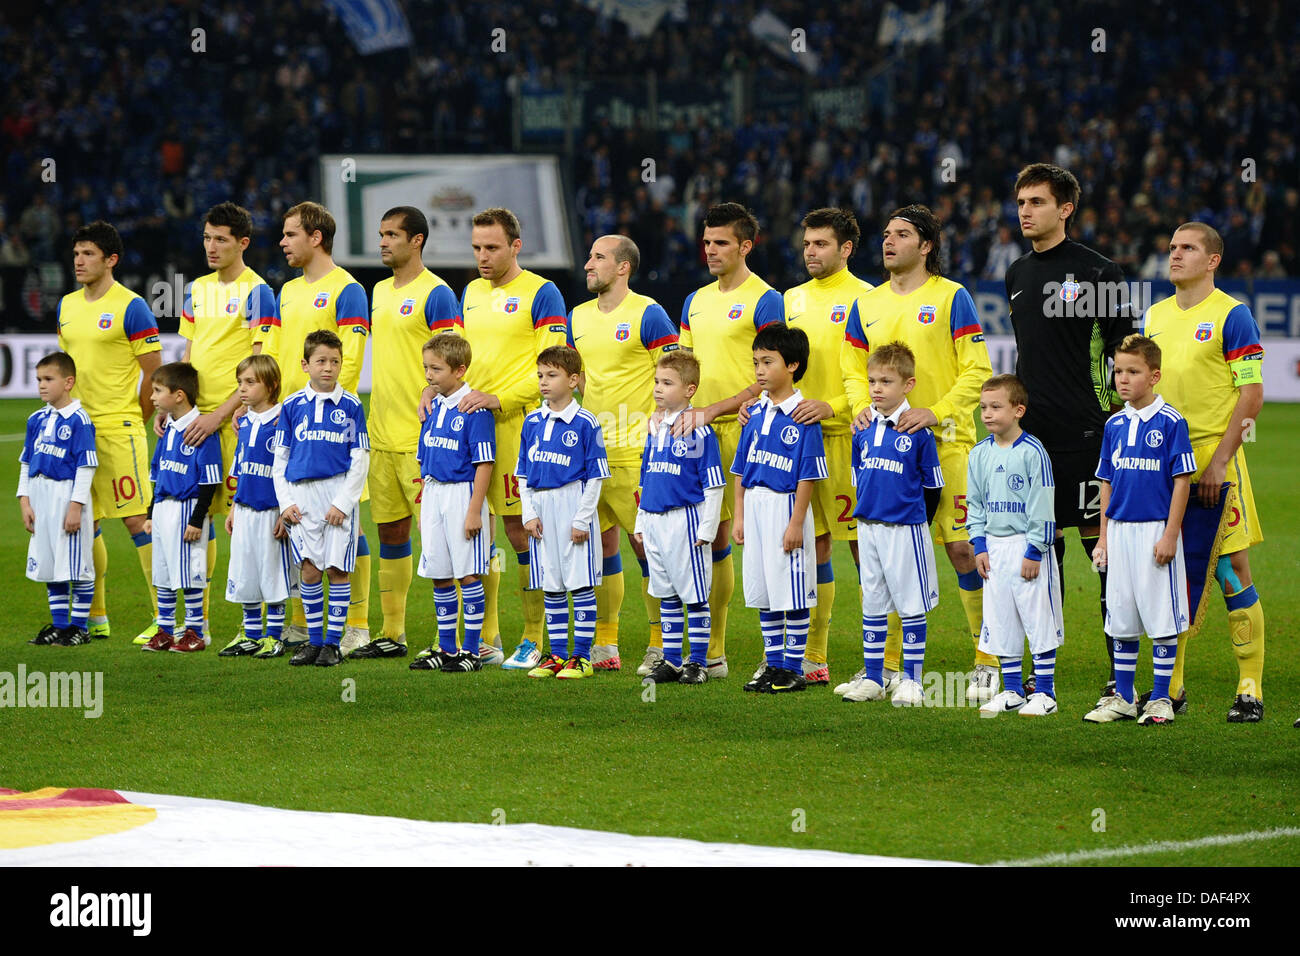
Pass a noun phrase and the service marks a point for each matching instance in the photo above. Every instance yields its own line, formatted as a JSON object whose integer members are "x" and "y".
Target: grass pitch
{"x": 707, "y": 763}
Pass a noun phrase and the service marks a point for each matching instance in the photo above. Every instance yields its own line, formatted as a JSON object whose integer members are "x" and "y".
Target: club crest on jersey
{"x": 679, "y": 448}
{"x": 839, "y": 313}
{"x": 187, "y": 450}
{"x": 322, "y": 300}
{"x": 65, "y": 432}
{"x": 1204, "y": 331}
{"x": 233, "y": 305}
{"x": 790, "y": 434}
{"x": 338, "y": 416}
{"x": 269, "y": 444}
{"x": 737, "y": 311}
{"x": 926, "y": 315}
{"x": 1015, "y": 482}
{"x": 903, "y": 443}
{"x": 512, "y": 305}
{"x": 570, "y": 438}
{"x": 1069, "y": 288}
{"x": 1155, "y": 439}
{"x": 458, "y": 423}
{"x": 623, "y": 332}
{"x": 106, "y": 320}
{"x": 408, "y": 306}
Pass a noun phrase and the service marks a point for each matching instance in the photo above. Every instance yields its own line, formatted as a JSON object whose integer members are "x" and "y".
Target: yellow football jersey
{"x": 821, "y": 308}
{"x": 507, "y": 328}
{"x": 105, "y": 338}
{"x": 219, "y": 319}
{"x": 1207, "y": 353}
{"x": 335, "y": 302}
{"x": 401, "y": 321}
{"x": 938, "y": 323}
{"x": 719, "y": 327}
{"x": 620, "y": 349}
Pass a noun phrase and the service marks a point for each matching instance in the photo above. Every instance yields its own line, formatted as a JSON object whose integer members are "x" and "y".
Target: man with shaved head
{"x": 620, "y": 335}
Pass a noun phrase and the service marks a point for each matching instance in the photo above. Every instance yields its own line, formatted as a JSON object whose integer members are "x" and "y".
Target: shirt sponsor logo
{"x": 926, "y": 315}
{"x": 903, "y": 443}
{"x": 1204, "y": 331}
{"x": 408, "y": 306}
{"x": 512, "y": 305}
{"x": 106, "y": 320}
{"x": 737, "y": 311}
{"x": 322, "y": 300}
{"x": 839, "y": 313}
{"x": 790, "y": 434}
{"x": 623, "y": 332}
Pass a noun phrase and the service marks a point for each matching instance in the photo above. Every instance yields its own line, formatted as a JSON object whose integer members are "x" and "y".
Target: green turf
{"x": 708, "y": 763}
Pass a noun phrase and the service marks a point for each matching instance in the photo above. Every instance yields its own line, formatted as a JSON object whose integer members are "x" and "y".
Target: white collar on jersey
{"x": 452, "y": 400}
{"x": 333, "y": 396}
{"x": 185, "y": 420}
{"x": 1148, "y": 413}
{"x": 891, "y": 419}
{"x": 261, "y": 418}
{"x": 566, "y": 414}
{"x": 788, "y": 406}
{"x": 667, "y": 420}
{"x": 68, "y": 410}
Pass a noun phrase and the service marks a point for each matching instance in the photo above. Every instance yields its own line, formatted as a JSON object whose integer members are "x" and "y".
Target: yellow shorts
{"x": 833, "y": 499}
{"x": 503, "y": 492}
{"x": 1243, "y": 520}
{"x": 619, "y": 496}
{"x": 121, "y": 488}
{"x": 228, "y": 439}
{"x": 728, "y": 432}
{"x": 395, "y": 485}
{"x": 950, "y": 519}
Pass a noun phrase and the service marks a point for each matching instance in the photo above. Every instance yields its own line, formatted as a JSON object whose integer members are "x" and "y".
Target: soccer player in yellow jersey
{"x": 1212, "y": 358}
{"x": 511, "y": 315}
{"x": 821, "y": 307}
{"x": 404, "y": 311}
{"x": 718, "y": 323}
{"x": 221, "y": 311}
{"x": 934, "y": 317}
{"x": 325, "y": 297}
{"x": 113, "y": 338}
{"x": 621, "y": 336}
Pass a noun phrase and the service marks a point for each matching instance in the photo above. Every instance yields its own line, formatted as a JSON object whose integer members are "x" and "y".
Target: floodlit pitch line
{"x": 1160, "y": 846}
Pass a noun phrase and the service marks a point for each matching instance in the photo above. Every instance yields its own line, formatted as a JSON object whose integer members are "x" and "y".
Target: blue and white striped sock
{"x": 339, "y": 599}
{"x": 57, "y": 592}
{"x": 671, "y": 623}
{"x": 167, "y": 609}
{"x": 445, "y": 606}
{"x": 584, "y": 622}
{"x": 1045, "y": 672}
{"x": 253, "y": 621}
{"x": 194, "y": 611}
{"x": 699, "y": 622}
{"x": 474, "y": 599}
{"x": 1126, "y": 660}
{"x": 1013, "y": 674}
{"x": 313, "y": 608}
{"x": 874, "y": 630}
{"x": 1163, "y": 650}
{"x": 274, "y": 620}
{"x": 772, "y": 625}
{"x": 83, "y": 593}
{"x": 557, "y": 622}
{"x": 796, "y": 638}
{"x": 913, "y": 646}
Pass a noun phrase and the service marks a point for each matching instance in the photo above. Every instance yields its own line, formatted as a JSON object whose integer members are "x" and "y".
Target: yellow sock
{"x": 609, "y": 604}
{"x": 894, "y": 643}
{"x": 207, "y": 587}
{"x": 534, "y": 603}
{"x": 1176, "y": 678}
{"x": 145, "y": 553}
{"x": 99, "y": 603}
{"x": 819, "y": 631}
{"x": 394, "y": 584}
{"x": 972, "y": 602}
{"x": 652, "y": 613}
{"x": 1246, "y": 626}
{"x": 724, "y": 586}
{"x": 359, "y": 607}
{"x": 491, "y": 589}
{"x": 299, "y": 616}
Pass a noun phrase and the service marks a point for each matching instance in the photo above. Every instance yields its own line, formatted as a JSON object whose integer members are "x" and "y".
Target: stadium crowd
{"x": 146, "y": 132}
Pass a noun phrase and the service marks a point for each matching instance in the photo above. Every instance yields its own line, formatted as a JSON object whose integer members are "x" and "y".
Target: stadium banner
{"x": 1281, "y": 364}
{"x": 373, "y": 25}
{"x": 639, "y": 16}
{"x": 20, "y": 353}
{"x": 449, "y": 190}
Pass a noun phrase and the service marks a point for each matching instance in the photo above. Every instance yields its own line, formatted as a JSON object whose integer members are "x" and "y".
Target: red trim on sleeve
{"x": 448, "y": 323}
{"x": 1254, "y": 348}
{"x": 142, "y": 334}
{"x": 661, "y": 342}
{"x": 360, "y": 320}
{"x": 548, "y": 320}
{"x": 967, "y": 330}
{"x": 766, "y": 324}
{"x": 857, "y": 343}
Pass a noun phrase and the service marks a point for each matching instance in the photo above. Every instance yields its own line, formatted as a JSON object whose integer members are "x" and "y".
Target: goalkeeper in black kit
{"x": 1069, "y": 309}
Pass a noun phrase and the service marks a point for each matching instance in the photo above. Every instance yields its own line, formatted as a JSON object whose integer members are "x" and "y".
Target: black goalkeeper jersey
{"x": 1070, "y": 309}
